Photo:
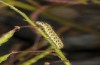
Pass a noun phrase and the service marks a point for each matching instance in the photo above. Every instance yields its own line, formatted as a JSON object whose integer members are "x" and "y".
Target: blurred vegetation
{"x": 75, "y": 20}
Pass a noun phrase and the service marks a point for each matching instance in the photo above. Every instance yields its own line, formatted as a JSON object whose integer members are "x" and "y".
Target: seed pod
{"x": 5, "y": 37}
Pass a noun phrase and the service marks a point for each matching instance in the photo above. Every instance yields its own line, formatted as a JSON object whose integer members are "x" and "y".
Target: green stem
{"x": 63, "y": 58}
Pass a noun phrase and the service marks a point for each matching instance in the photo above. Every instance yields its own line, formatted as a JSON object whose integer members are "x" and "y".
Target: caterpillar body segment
{"x": 51, "y": 34}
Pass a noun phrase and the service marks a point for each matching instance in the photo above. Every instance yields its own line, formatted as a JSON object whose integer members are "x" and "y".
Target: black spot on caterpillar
{"x": 51, "y": 34}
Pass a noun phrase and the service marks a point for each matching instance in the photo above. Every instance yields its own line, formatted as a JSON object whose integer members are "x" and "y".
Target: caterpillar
{"x": 51, "y": 34}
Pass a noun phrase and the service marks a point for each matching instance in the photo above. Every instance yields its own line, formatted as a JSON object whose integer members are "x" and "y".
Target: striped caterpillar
{"x": 51, "y": 34}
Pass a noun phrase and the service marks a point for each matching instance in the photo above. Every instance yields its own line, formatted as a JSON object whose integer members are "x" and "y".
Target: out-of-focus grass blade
{"x": 81, "y": 1}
